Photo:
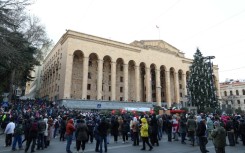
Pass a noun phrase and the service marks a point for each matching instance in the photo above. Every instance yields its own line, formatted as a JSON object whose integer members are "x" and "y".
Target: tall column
{"x": 184, "y": 84}
{"x": 125, "y": 81}
{"x": 168, "y": 94}
{"x": 158, "y": 87}
{"x": 85, "y": 77}
{"x": 66, "y": 79}
{"x": 99, "y": 79}
{"x": 113, "y": 81}
{"x": 137, "y": 85}
{"x": 148, "y": 85}
{"x": 176, "y": 84}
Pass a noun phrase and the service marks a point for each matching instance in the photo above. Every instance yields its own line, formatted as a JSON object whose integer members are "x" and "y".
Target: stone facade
{"x": 233, "y": 94}
{"x": 86, "y": 67}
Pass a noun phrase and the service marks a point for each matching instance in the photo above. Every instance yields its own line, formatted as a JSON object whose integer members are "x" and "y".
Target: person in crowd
{"x": 108, "y": 136}
{"x": 26, "y": 128}
{"x": 168, "y": 127}
{"x": 62, "y": 128}
{"x": 125, "y": 130}
{"x": 135, "y": 130}
{"x": 56, "y": 127}
{"x": 9, "y": 131}
{"x": 32, "y": 136}
{"x": 46, "y": 133}
{"x": 144, "y": 134}
{"x": 183, "y": 128}
{"x": 175, "y": 128}
{"x": 202, "y": 137}
{"x": 241, "y": 129}
{"x": 69, "y": 134}
{"x": 50, "y": 130}
{"x": 210, "y": 127}
{"x": 18, "y": 131}
{"x": 219, "y": 137}
{"x": 236, "y": 131}
{"x": 103, "y": 129}
{"x": 120, "y": 121}
{"x": 90, "y": 125}
{"x": 230, "y": 132}
{"x": 191, "y": 128}
{"x": 154, "y": 133}
{"x": 114, "y": 128}
{"x": 41, "y": 130}
{"x": 160, "y": 126}
{"x": 81, "y": 135}
{"x": 96, "y": 135}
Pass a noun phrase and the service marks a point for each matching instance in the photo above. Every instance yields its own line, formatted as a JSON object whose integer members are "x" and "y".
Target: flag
{"x": 157, "y": 26}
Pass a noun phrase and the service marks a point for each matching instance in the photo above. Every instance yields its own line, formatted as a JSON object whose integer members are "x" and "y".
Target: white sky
{"x": 217, "y": 27}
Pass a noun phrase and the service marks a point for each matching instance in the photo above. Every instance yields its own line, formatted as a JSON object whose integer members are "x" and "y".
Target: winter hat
{"x": 216, "y": 123}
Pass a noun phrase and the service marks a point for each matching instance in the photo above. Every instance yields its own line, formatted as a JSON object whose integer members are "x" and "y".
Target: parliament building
{"x": 87, "y": 67}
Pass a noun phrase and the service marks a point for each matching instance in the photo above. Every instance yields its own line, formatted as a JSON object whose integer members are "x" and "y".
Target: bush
{"x": 185, "y": 109}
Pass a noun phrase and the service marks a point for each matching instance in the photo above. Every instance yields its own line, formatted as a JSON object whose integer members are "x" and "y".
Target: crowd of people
{"x": 38, "y": 122}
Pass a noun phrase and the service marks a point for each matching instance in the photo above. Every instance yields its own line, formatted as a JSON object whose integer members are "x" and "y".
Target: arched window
{"x": 243, "y": 92}
{"x": 238, "y": 101}
{"x": 231, "y": 93}
{"x": 237, "y": 92}
{"x": 225, "y": 93}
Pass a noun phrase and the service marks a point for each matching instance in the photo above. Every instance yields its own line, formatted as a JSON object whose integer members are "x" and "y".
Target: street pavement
{"x": 164, "y": 147}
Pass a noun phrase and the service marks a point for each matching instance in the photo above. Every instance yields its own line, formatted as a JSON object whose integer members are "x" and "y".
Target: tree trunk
{"x": 11, "y": 84}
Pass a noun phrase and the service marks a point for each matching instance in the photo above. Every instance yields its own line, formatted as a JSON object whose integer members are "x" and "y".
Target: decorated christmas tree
{"x": 200, "y": 85}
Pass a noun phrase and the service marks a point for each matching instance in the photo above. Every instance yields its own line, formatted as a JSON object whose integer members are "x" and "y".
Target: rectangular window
{"x": 180, "y": 86}
{"x": 109, "y": 88}
{"x": 88, "y": 97}
{"x": 109, "y": 98}
{"x": 121, "y": 98}
{"x": 89, "y": 75}
{"x": 121, "y": 89}
{"x": 180, "y": 94}
{"x": 89, "y": 87}
{"x": 238, "y": 101}
{"x": 90, "y": 63}
{"x": 121, "y": 79}
{"x": 244, "y": 101}
{"x": 109, "y": 77}
{"x": 121, "y": 67}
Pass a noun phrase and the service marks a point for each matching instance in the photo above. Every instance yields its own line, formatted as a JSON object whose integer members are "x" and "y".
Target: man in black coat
{"x": 103, "y": 130}
{"x": 201, "y": 133}
{"x": 32, "y": 137}
{"x": 242, "y": 130}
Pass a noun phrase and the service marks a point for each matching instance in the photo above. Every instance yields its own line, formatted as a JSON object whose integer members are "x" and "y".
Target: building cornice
{"x": 98, "y": 40}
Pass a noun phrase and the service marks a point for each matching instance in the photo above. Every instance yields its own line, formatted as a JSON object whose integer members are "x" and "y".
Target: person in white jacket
{"x": 46, "y": 133}
{"x": 9, "y": 131}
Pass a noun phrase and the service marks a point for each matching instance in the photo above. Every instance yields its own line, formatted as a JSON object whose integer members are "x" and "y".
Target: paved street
{"x": 168, "y": 147}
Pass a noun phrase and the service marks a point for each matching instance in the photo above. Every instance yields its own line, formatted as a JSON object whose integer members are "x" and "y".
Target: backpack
{"x": 160, "y": 122}
{"x": 34, "y": 127}
{"x": 150, "y": 129}
{"x": 57, "y": 125}
{"x": 18, "y": 130}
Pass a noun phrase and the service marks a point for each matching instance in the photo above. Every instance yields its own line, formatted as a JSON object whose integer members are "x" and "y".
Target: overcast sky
{"x": 217, "y": 27}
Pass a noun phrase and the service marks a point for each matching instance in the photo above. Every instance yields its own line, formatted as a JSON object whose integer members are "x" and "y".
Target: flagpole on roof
{"x": 158, "y": 31}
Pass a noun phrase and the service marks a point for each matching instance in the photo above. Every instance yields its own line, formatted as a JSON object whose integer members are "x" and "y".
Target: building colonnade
{"x": 105, "y": 79}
